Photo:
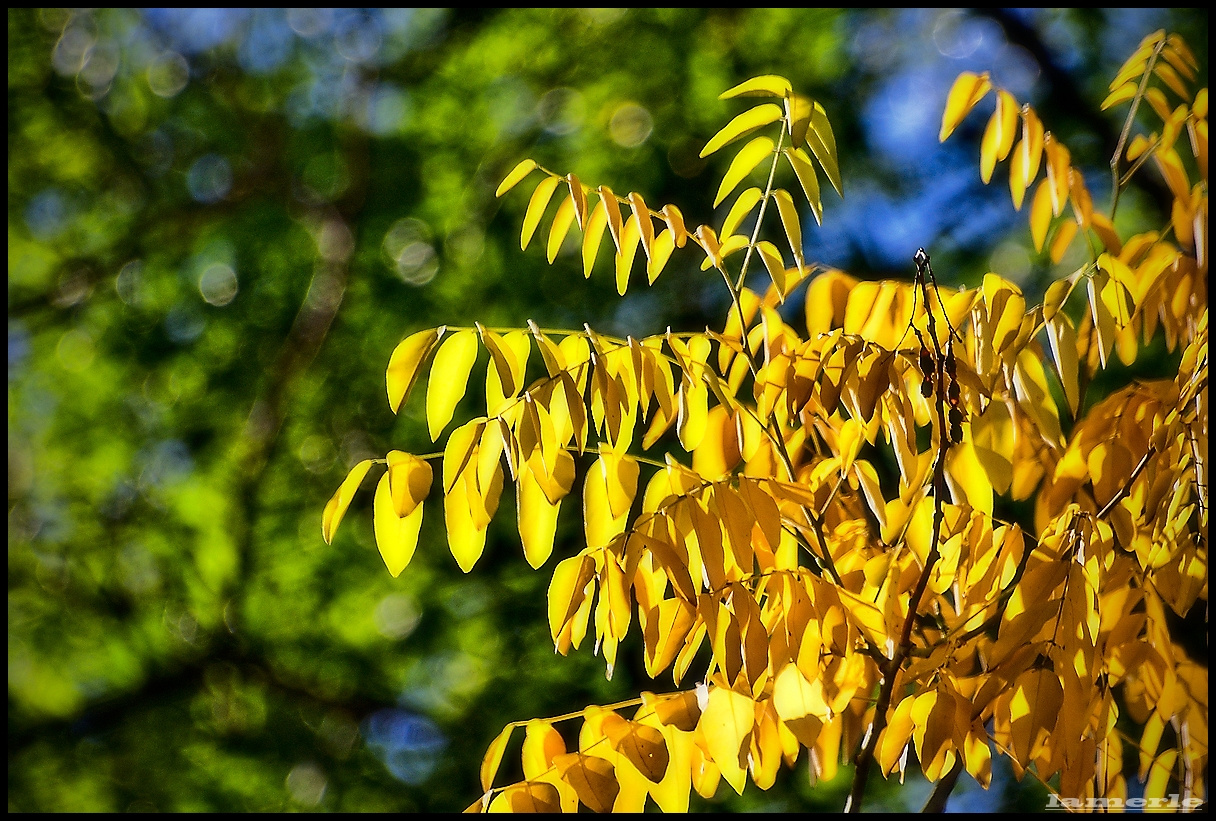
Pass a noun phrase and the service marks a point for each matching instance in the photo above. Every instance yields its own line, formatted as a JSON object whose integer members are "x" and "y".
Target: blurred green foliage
{"x": 220, "y": 224}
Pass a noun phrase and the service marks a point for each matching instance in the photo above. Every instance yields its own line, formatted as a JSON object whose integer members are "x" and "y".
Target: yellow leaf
{"x": 742, "y": 207}
{"x": 493, "y": 757}
{"x": 999, "y": 134}
{"x": 1027, "y": 156}
{"x": 523, "y": 169}
{"x": 992, "y": 435}
{"x": 409, "y": 481}
{"x": 747, "y": 159}
{"x": 1040, "y": 215}
{"x": 510, "y": 357}
{"x": 612, "y": 210}
{"x": 800, "y": 703}
{"x": 1063, "y": 340}
{"x": 968, "y": 89}
{"x": 593, "y": 779}
{"x": 790, "y": 222}
{"x": 645, "y": 227}
{"x": 336, "y": 507}
{"x": 666, "y": 628}
{"x": 644, "y": 746}
{"x": 679, "y": 710}
{"x": 1104, "y": 324}
{"x": 536, "y": 208}
{"x": 542, "y": 743}
{"x": 628, "y": 250}
{"x": 1061, "y": 241}
{"x": 727, "y": 723}
{"x": 823, "y": 146}
{"x": 895, "y": 736}
{"x": 396, "y": 536}
{"x": 528, "y": 796}
{"x": 1120, "y": 95}
{"x": 567, "y": 591}
{"x": 537, "y": 517}
{"x": 560, "y": 228}
{"x": 768, "y": 85}
{"x": 675, "y": 223}
{"x": 1057, "y": 294}
{"x": 805, "y": 172}
{"x": 578, "y": 196}
{"x": 1159, "y": 777}
{"x": 869, "y": 620}
{"x": 465, "y": 539}
{"x": 449, "y": 379}
{"x": 798, "y": 117}
{"x": 743, "y": 123}
{"x": 593, "y": 235}
{"x": 405, "y": 363}
{"x": 664, "y": 244}
{"x": 1034, "y": 709}
{"x": 967, "y": 477}
{"x": 978, "y": 756}
{"x": 1058, "y": 166}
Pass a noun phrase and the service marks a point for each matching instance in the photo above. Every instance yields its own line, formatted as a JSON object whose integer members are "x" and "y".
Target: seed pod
{"x": 950, "y": 364}
{"x": 952, "y": 393}
{"x": 956, "y": 425}
{"x": 926, "y": 387}
{"x": 926, "y": 362}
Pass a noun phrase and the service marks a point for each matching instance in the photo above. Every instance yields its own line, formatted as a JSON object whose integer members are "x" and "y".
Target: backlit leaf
{"x": 493, "y": 757}
{"x": 727, "y": 723}
{"x": 521, "y": 170}
{"x": 528, "y": 796}
{"x": 336, "y": 507}
{"x": 449, "y": 379}
{"x": 592, "y": 778}
{"x": 536, "y": 208}
{"x": 768, "y": 85}
{"x": 823, "y": 145}
{"x": 406, "y": 362}
{"x": 805, "y": 172}
{"x": 396, "y": 536}
{"x": 742, "y": 124}
{"x": 747, "y": 159}
{"x": 967, "y": 90}
{"x": 744, "y": 204}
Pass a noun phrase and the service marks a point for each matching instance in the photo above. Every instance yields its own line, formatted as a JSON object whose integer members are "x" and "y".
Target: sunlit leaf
{"x": 336, "y": 507}
{"x": 967, "y": 90}
{"x": 521, "y": 170}
{"x": 747, "y": 159}
{"x": 768, "y": 85}
{"x": 493, "y": 757}
{"x": 806, "y": 178}
{"x": 449, "y": 379}
{"x": 406, "y": 362}
{"x": 528, "y": 796}
{"x": 742, "y": 124}
{"x": 396, "y": 535}
{"x": 592, "y": 778}
{"x": 727, "y": 723}
{"x": 536, "y": 208}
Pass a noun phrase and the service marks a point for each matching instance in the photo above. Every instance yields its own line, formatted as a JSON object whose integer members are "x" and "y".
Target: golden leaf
{"x": 521, "y": 170}
{"x": 805, "y": 172}
{"x": 744, "y": 204}
{"x": 768, "y": 85}
{"x": 747, "y": 159}
{"x": 593, "y": 234}
{"x": 742, "y": 124}
{"x": 593, "y": 779}
{"x": 493, "y": 757}
{"x": 336, "y": 507}
{"x": 823, "y": 145}
{"x": 528, "y": 796}
{"x": 542, "y": 744}
{"x": 967, "y": 90}
{"x": 449, "y": 379}
{"x": 406, "y": 362}
{"x": 560, "y": 228}
{"x": 536, "y": 208}
{"x": 727, "y": 723}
